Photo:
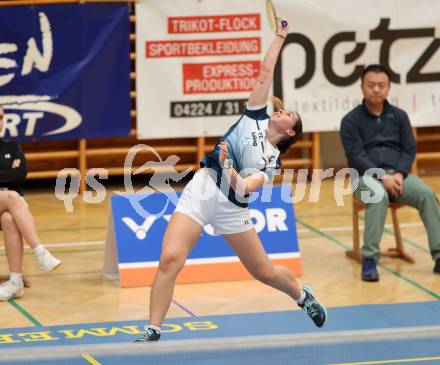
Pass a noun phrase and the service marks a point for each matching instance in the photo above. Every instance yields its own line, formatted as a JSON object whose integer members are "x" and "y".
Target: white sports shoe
{"x": 46, "y": 261}
{"x": 10, "y": 290}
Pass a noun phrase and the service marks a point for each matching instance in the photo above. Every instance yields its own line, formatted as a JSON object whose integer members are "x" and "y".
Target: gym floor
{"x": 77, "y": 294}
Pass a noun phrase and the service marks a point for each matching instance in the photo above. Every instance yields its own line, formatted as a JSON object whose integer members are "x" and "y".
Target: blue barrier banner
{"x": 65, "y": 71}
{"x": 138, "y": 239}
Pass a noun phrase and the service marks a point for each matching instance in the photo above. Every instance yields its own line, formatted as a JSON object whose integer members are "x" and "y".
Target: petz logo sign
{"x": 50, "y": 74}
{"x": 387, "y": 38}
{"x": 320, "y": 67}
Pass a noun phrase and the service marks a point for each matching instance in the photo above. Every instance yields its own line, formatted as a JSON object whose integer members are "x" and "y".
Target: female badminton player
{"x": 245, "y": 158}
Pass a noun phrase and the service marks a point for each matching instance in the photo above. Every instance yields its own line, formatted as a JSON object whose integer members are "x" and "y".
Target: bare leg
{"x": 12, "y": 202}
{"x": 248, "y": 247}
{"x": 13, "y": 243}
{"x": 181, "y": 235}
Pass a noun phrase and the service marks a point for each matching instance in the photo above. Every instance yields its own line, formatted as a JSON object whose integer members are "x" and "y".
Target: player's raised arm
{"x": 260, "y": 92}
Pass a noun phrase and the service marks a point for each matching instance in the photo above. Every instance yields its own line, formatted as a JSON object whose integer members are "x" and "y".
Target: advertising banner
{"x": 134, "y": 242}
{"x": 197, "y": 60}
{"x": 64, "y": 71}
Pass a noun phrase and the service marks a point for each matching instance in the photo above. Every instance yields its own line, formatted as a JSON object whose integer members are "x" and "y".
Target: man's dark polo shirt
{"x": 384, "y": 141}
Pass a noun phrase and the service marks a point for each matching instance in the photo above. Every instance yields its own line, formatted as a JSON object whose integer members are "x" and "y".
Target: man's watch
{"x": 227, "y": 164}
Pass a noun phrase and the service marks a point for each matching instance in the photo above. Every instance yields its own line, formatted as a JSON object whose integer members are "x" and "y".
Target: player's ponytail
{"x": 277, "y": 103}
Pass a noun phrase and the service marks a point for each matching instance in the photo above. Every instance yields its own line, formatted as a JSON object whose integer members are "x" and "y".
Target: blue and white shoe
{"x": 315, "y": 310}
{"x": 150, "y": 335}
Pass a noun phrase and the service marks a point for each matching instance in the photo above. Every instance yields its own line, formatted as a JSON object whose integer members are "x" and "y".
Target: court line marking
{"x": 73, "y": 244}
{"x": 25, "y": 313}
{"x": 181, "y": 306}
{"x": 69, "y": 244}
{"x": 386, "y": 268}
{"x": 222, "y": 343}
{"x": 309, "y": 228}
{"x": 91, "y": 359}
{"x": 323, "y": 229}
{"x": 350, "y": 228}
{"x": 390, "y": 361}
{"x": 37, "y": 323}
{"x": 74, "y": 229}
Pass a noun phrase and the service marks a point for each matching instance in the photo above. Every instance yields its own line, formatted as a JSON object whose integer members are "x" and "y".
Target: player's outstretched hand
{"x": 282, "y": 27}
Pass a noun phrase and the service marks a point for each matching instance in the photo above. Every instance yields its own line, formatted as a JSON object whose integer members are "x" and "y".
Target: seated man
{"x": 16, "y": 220}
{"x": 377, "y": 134}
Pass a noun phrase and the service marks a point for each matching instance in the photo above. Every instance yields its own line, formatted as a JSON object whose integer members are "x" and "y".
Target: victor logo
{"x": 142, "y": 229}
{"x": 271, "y": 219}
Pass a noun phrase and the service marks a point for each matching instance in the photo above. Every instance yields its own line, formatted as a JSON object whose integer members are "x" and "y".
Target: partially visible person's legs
{"x": 372, "y": 193}
{"x": 13, "y": 203}
{"x": 13, "y": 288}
{"x": 13, "y": 243}
{"x": 375, "y": 214}
{"x": 420, "y": 196}
{"x": 180, "y": 236}
{"x": 249, "y": 249}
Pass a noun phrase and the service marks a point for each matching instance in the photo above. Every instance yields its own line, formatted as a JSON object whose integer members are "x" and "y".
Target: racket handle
{"x": 284, "y": 23}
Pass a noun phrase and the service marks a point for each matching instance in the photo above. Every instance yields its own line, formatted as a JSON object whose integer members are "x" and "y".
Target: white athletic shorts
{"x": 203, "y": 201}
